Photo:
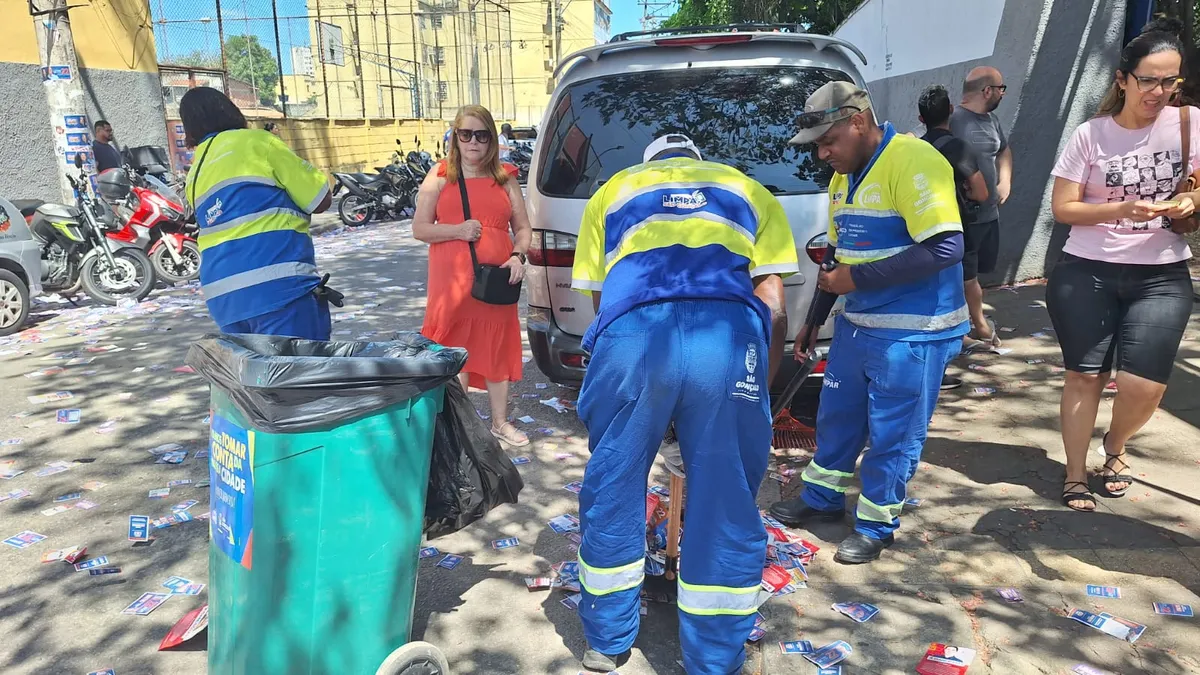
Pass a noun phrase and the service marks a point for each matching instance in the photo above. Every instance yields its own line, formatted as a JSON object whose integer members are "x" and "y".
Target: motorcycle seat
{"x": 27, "y": 206}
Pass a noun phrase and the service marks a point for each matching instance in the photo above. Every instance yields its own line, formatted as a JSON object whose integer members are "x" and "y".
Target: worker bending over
{"x": 690, "y": 257}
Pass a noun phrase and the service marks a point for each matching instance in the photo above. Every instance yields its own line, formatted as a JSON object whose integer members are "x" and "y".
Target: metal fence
{"x": 371, "y": 59}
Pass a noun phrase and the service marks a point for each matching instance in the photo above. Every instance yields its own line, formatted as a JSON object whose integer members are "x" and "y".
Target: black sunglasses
{"x": 481, "y": 135}
{"x": 816, "y": 118}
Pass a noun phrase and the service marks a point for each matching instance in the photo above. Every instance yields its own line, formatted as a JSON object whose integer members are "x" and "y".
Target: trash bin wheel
{"x": 415, "y": 658}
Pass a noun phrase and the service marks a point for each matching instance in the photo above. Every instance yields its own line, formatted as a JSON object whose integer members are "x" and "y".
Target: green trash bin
{"x": 319, "y": 460}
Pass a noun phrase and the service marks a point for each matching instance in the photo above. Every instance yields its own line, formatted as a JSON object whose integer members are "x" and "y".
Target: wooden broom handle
{"x": 674, "y": 517}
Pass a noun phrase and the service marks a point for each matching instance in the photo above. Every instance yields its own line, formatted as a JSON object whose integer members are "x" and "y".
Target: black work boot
{"x": 602, "y": 663}
{"x": 796, "y": 512}
{"x": 859, "y": 548}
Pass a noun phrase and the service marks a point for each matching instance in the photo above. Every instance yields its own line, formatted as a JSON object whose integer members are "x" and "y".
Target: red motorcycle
{"x": 152, "y": 217}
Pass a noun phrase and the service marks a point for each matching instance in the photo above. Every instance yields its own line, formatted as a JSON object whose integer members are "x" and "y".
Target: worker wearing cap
{"x": 896, "y": 236}
{"x": 684, "y": 260}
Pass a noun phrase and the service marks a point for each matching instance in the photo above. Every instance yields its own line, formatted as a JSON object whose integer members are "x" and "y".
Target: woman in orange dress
{"x": 491, "y": 334}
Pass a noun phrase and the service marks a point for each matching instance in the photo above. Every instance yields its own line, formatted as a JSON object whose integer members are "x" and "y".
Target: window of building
{"x": 443, "y": 90}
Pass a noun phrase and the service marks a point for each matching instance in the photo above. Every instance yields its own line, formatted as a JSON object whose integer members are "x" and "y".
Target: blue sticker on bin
{"x": 231, "y": 495}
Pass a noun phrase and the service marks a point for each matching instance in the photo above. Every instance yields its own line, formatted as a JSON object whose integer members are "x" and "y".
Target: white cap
{"x": 669, "y": 142}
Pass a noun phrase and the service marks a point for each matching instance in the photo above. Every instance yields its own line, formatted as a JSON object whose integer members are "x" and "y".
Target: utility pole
{"x": 221, "y": 39}
{"x": 558, "y": 27}
{"x": 474, "y": 92}
{"x": 279, "y": 60}
{"x": 64, "y": 92}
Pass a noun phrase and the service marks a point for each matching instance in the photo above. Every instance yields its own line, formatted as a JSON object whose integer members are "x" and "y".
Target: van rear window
{"x": 742, "y": 117}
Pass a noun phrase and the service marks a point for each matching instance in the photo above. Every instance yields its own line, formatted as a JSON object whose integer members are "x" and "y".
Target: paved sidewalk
{"x": 991, "y": 480}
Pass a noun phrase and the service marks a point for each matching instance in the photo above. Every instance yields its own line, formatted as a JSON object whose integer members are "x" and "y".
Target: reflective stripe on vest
{"x": 248, "y": 218}
{"x": 915, "y": 322}
{"x": 837, "y": 481}
{"x": 254, "y": 277}
{"x": 714, "y": 600}
{"x": 605, "y": 580}
{"x": 869, "y": 510}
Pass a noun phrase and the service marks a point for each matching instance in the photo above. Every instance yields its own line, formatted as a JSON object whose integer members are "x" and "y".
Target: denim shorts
{"x": 1107, "y": 313}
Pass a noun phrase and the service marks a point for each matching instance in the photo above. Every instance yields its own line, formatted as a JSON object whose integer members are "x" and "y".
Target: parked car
{"x": 20, "y": 264}
{"x": 736, "y": 94}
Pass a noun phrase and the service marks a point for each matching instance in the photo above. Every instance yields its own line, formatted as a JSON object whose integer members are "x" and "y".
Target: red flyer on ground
{"x": 775, "y": 578}
{"x": 186, "y": 628}
{"x": 778, "y": 534}
{"x": 943, "y": 659}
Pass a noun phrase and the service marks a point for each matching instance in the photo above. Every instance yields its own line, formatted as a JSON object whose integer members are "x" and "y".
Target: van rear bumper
{"x": 558, "y": 354}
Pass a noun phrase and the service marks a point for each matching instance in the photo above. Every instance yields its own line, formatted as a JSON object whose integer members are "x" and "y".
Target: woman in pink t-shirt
{"x": 1121, "y": 293}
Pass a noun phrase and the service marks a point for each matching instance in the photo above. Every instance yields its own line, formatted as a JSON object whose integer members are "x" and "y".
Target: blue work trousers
{"x": 704, "y": 365}
{"x": 306, "y": 317}
{"x": 885, "y": 391}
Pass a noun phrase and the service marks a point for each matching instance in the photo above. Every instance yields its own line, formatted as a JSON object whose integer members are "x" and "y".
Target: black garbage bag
{"x": 469, "y": 474}
{"x": 285, "y": 385}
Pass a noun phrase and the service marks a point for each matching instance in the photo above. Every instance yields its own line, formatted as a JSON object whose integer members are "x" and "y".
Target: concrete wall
{"x": 1057, "y": 57}
{"x": 131, "y": 100}
{"x": 28, "y": 164}
{"x": 356, "y": 145}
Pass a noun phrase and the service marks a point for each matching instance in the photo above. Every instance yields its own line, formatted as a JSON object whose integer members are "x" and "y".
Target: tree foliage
{"x": 198, "y": 59}
{"x": 251, "y": 62}
{"x": 817, "y": 16}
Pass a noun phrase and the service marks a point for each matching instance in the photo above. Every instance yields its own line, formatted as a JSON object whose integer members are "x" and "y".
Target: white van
{"x": 735, "y": 94}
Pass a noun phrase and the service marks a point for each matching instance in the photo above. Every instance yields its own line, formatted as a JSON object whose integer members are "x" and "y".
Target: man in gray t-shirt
{"x": 975, "y": 122}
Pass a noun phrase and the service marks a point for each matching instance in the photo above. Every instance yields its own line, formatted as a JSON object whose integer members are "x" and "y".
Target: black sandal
{"x": 1070, "y": 495}
{"x": 1114, "y": 475}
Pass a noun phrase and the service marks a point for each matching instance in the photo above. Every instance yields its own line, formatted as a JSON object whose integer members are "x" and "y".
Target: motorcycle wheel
{"x": 355, "y": 211}
{"x": 133, "y": 277}
{"x": 170, "y": 272}
{"x": 14, "y": 303}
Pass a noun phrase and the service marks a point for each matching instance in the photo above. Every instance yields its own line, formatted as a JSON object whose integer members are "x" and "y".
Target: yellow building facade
{"x": 426, "y": 58}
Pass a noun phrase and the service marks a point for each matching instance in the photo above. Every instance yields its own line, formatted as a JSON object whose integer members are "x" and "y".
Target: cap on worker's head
{"x": 671, "y": 145}
{"x": 832, "y": 103}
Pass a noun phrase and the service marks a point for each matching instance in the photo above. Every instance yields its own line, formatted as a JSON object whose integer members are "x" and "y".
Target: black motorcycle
{"x": 76, "y": 253}
{"x": 384, "y": 195}
{"x": 521, "y": 156}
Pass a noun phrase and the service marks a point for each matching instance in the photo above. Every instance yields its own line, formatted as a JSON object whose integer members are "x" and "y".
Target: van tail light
{"x": 815, "y": 248}
{"x": 552, "y": 249}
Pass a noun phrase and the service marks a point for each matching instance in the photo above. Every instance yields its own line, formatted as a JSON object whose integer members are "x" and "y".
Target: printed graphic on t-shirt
{"x": 1149, "y": 176}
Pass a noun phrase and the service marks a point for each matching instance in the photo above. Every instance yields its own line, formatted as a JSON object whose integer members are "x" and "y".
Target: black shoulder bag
{"x": 491, "y": 281}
